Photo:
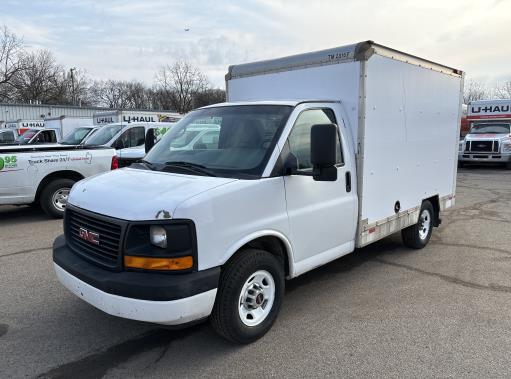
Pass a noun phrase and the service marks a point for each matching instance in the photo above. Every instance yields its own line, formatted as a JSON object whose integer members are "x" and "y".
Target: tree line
{"x": 35, "y": 76}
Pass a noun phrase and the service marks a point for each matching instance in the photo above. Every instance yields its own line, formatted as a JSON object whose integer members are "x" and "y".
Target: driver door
{"x": 321, "y": 214}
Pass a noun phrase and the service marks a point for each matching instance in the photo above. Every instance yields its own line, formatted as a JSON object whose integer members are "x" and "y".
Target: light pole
{"x": 72, "y": 70}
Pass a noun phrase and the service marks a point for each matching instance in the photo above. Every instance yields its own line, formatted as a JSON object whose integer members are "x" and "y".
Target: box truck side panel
{"x": 338, "y": 82}
{"x": 412, "y": 117}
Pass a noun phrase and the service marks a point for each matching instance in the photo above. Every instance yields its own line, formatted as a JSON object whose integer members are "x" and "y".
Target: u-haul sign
{"x": 487, "y": 109}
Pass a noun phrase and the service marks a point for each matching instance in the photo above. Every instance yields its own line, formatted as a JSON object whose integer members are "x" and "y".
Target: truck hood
{"x": 486, "y": 136}
{"x": 133, "y": 194}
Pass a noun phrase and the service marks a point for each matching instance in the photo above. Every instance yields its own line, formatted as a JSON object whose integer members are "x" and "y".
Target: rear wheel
{"x": 54, "y": 197}
{"x": 249, "y": 296}
{"x": 417, "y": 236}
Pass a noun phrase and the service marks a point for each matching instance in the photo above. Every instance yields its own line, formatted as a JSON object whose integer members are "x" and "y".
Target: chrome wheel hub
{"x": 59, "y": 198}
{"x": 424, "y": 224}
{"x": 256, "y": 298}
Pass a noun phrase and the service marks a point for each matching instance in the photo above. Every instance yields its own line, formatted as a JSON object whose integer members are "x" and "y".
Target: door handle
{"x": 348, "y": 181}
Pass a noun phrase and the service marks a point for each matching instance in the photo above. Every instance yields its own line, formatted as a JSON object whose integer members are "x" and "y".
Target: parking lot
{"x": 382, "y": 311}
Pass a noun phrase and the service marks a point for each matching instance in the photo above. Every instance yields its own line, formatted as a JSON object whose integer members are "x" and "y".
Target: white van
{"x": 366, "y": 147}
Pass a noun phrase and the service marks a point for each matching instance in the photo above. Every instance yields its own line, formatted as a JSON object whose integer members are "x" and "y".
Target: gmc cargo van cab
{"x": 366, "y": 148}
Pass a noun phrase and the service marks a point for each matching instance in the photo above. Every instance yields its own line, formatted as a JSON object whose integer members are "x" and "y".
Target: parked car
{"x": 8, "y": 136}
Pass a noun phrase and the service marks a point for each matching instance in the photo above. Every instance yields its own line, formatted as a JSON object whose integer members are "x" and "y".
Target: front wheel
{"x": 249, "y": 296}
{"x": 54, "y": 197}
{"x": 417, "y": 236}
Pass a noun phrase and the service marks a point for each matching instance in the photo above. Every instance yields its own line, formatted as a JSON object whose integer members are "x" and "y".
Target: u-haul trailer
{"x": 313, "y": 155}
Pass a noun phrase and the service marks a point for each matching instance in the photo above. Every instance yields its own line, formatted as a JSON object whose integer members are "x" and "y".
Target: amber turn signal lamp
{"x": 147, "y": 263}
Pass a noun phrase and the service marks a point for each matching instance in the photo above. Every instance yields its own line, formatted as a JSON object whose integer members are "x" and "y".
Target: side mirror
{"x": 323, "y": 152}
{"x": 149, "y": 140}
{"x": 118, "y": 145}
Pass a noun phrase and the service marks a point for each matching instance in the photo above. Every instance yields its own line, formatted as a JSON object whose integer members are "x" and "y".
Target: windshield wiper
{"x": 148, "y": 164}
{"x": 192, "y": 167}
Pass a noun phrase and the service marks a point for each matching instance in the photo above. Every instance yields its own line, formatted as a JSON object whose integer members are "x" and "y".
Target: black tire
{"x": 508, "y": 165}
{"x": 414, "y": 236}
{"x": 46, "y": 198}
{"x": 225, "y": 317}
{"x": 461, "y": 164}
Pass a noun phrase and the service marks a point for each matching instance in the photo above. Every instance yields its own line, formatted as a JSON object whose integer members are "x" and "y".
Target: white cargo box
{"x": 404, "y": 114}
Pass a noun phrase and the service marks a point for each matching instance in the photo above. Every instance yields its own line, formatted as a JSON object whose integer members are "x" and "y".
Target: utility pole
{"x": 72, "y": 70}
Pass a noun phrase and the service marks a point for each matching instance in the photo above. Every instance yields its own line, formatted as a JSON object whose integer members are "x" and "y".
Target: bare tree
{"x": 180, "y": 83}
{"x": 503, "y": 91}
{"x": 209, "y": 96}
{"x": 474, "y": 91}
{"x": 41, "y": 79}
{"x": 11, "y": 61}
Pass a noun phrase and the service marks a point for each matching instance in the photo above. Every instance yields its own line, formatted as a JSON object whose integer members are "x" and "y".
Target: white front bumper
{"x": 173, "y": 312}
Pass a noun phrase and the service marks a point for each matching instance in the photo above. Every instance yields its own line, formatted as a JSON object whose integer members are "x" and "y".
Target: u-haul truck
{"x": 489, "y": 137}
{"x": 111, "y": 117}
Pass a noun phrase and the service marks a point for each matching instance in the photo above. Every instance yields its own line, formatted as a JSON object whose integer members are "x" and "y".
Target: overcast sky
{"x": 131, "y": 39}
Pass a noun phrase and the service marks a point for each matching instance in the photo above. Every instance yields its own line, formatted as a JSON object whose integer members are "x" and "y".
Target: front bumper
{"x": 484, "y": 157}
{"x": 162, "y": 298}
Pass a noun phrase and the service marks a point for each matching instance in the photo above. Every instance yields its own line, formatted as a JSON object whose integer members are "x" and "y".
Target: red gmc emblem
{"x": 89, "y": 236}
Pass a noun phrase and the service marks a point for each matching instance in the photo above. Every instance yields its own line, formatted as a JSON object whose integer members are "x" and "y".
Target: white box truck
{"x": 489, "y": 136}
{"x": 312, "y": 156}
{"x": 69, "y": 127}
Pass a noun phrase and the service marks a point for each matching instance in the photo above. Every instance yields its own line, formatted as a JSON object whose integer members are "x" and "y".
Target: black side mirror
{"x": 118, "y": 145}
{"x": 323, "y": 152}
{"x": 149, "y": 140}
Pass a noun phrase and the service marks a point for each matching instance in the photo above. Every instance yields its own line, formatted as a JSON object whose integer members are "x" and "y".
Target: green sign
{"x": 8, "y": 161}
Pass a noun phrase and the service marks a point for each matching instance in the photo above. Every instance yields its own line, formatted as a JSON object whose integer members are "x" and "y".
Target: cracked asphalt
{"x": 384, "y": 311}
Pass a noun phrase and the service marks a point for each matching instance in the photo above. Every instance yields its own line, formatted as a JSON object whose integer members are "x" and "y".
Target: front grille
{"x": 483, "y": 146}
{"x": 107, "y": 233}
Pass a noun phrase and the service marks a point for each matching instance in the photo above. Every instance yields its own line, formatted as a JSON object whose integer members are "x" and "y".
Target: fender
{"x": 262, "y": 233}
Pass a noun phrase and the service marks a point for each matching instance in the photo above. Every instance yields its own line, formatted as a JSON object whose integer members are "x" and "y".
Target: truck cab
{"x": 8, "y": 136}
{"x": 128, "y": 139}
{"x": 36, "y": 136}
{"x": 489, "y": 138}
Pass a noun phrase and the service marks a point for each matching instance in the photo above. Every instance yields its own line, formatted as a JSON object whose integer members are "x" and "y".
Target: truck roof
{"x": 348, "y": 53}
{"x": 292, "y": 103}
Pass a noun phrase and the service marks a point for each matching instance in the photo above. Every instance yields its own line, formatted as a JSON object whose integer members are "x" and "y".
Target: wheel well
{"x": 435, "y": 201}
{"x": 271, "y": 244}
{"x": 66, "y": 174}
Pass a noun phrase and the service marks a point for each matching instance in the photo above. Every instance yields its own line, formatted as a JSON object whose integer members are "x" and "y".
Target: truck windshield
{"x": 76, "y": 136}
{"x": 490, "y": 128}
{"x": 104, "y": 135}
{"x": 229, "y": 141}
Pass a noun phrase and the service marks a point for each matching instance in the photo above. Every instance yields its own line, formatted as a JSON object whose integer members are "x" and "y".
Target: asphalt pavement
{"x": 384, "y": 311}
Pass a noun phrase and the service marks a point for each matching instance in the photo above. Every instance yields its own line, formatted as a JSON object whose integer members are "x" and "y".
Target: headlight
{"x": 161, "y": 246}
{"x": 506, "y": 146}
{"x": 158, "y": 236}
{"x": 460, "y": 146}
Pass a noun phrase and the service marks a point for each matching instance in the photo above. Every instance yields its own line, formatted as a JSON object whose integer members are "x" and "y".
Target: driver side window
{"x": 300, "y": 137}
{"x": 131, "y": 138}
